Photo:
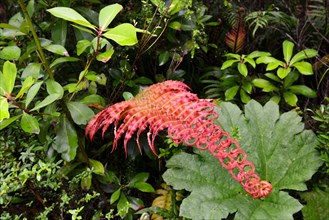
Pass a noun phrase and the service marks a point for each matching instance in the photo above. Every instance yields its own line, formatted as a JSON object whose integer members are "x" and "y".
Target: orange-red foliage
{"x": 169, "y": 105}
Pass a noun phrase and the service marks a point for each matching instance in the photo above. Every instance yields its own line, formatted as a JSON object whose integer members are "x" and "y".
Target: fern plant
{"x": 189, "y": 120}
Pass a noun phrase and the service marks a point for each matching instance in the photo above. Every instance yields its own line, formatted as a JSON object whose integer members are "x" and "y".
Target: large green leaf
{"x": 66, "y": 140}
{"x": 107, "y": 14}
{"x": 288, "y": 48}
{"x": 301, "y": 55}
{"x": 283, "y": 153}
{"x": 123, "y": 34}
{"x": 8, "y": 78}
{"x": 317, "y": 204}
{"x": 30, "y": 124}
{"x": 80, "y": 112}
{"x": 70, "y": 15}
{"x": 10, "y": 53}
{"x": 4, "y": 106}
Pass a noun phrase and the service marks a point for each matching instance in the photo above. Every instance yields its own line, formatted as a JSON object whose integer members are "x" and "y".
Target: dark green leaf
{"x": 48, "y": 100}
{"x": 82, "y": 45}
{"x": 123, "y": 205}
{"x": 303, "y": 90}
{"x": 63, "y": 60}
{"x": 228, "y": 63}
{"x": 143, "y": 80}
{"x": 81, "y": 113}
{"x": 140, "y": 177}
{"x": 59, "y": 32}
{"x": 317, "y": 204}
{"x": 86, "y": 182}
{"x": 30, "y": 124}
{"x": 66, "y": 140}
{"x": 93, "y": 99}
{"x": 54, "y": 87}
{"x": 33, "y": 70}
{"x": 266, "y": 85}
{"x": 163, "y": 57}
{"x": 4, "y": 123}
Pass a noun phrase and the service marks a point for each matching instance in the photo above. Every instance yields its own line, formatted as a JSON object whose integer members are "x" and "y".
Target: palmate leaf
{"x": 282, "y": 153}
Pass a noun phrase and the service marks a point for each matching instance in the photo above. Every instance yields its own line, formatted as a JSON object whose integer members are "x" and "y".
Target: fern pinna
{"x": 188, "y": 119}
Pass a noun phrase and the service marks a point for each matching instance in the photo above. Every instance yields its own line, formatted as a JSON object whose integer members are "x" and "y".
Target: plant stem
{"x": 36, "y": 40}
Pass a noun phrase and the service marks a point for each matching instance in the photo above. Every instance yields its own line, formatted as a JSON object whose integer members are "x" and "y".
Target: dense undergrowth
{"x": 263, "y": 63}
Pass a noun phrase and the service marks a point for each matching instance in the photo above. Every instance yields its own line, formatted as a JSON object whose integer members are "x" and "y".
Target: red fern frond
{"x": 169, "y": 105}
{"x": 235, "y": 39}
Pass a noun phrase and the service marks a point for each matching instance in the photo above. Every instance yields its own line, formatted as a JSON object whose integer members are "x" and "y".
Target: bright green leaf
{"x": 244, "y": 96}
{"x": 288, "y": 48}
{"x": 123, "y": 34}
{"x": 268, "y": 60}
{"x": 283, "y": 72}
{"x": 8, "y": 77}
{"x": 247, "y": 86}
{"x": 140, "y": 177}
{"x": 276, "y": 99}
{"x": 70, "y": 15}
{"x": 32, "y": 93}
{"x": 54, "y": 87}
{"x": 123, "y": 205}
{"x": 82, "y": 45}
{"x": 127, "y": 95}
{"x": 250, "y": 61}
{"x": 233, "y": 55}
{"x": 231, "y": 92}
{"x": 257, "y": 53}
{"x": 10, "y": 53}
{"x": 175, "y": 25}
{"x": 301, "y": 55}
{"x": 62, "y": 60}
{"x": 57, "y": 49}
{"x": 93, "y": 99}
{"x": 4, "y": 123}
{"x": 243, "y": 70}
{"x": 28, "y": 82}
{"x": 105, "y": 56}
{"x": 266, "y": 85}
{"x": 303, "y": 90}
{"x": 144, "y": 187}
{"x": 30, "y": 124}
{"x": 66, "y": 140}
{"x": 81, "y": 113}
{"x": 48, "y": 100}
{"x": 115, "y": 196}
{"x": 33, "y": 70}
{"x": 272, "y": 66}
{"x": 228, "y": 63}
{"x": 107, "y": 14}
{"x": 290, "y": 98}
{"x": 273, "y": 77}
{"x": 304, "y": 68}
{"x": 4, "y": 106}
{"x": 97, "y": 166}
{"x": 282, "y": 152}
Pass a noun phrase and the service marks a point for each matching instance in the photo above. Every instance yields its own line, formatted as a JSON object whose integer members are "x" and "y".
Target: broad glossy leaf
{"x": 48, "y": 100}
{"x": 304, "y": 68}
{"x": 266, "y": 85}
{"x": 80, "y": 112}
{"x": 288, "y": 48}
{"x": 32, "y": 93}
{"x": 244, "y": 96}
{"x": 98, "y": 167}
{"x": 243, "y": 70}
{"x": 301, "y": 55}
{"x": 82, "y": 45}
{"x": 33, "y": 70}
{"x": 283, "y": 72}
{"x": 303, "y": 90}
{"x": 115, "y": 196}
{"x": 28, "y": 82}
{"x": 231, "y": 92}
{"x": 228, "y": 63}
{"x": 66, "y": 140}
{"x": 8, "y": 78}
{"x": 54, "y": 87}
{"x": 139, "y": 177}
{"x": 30, "y": 124}
{"x": 62, "y": 60}
{"x": 10, "y": 53}
{"x": 290, "y": 98}
{"x": 93, "y": 99}
{"x": 70, "y": 15}
{"x": 57, "y": 49}
{"x": 105, "y": 56}
{"x": 273, "y": 77}
{"x": 107, "y": 14}
{"x": 233, "y": 55}
{"x": 142, "y": 186}
{"x": 257, "y": 53}
{"x": 59, "y": 32}
{"x": 268, "y": 60}
{"x": 123, "y": 34}
{"x": 250, "y": 61}
{"x": 4, "y": 106}
{"x": 272, "y": 66}
{"x": 4, "y": 123}
{"x": 283, "y": 153}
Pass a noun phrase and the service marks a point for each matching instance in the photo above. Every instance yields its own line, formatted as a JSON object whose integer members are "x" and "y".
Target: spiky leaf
{"x": 282, "y": 151}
